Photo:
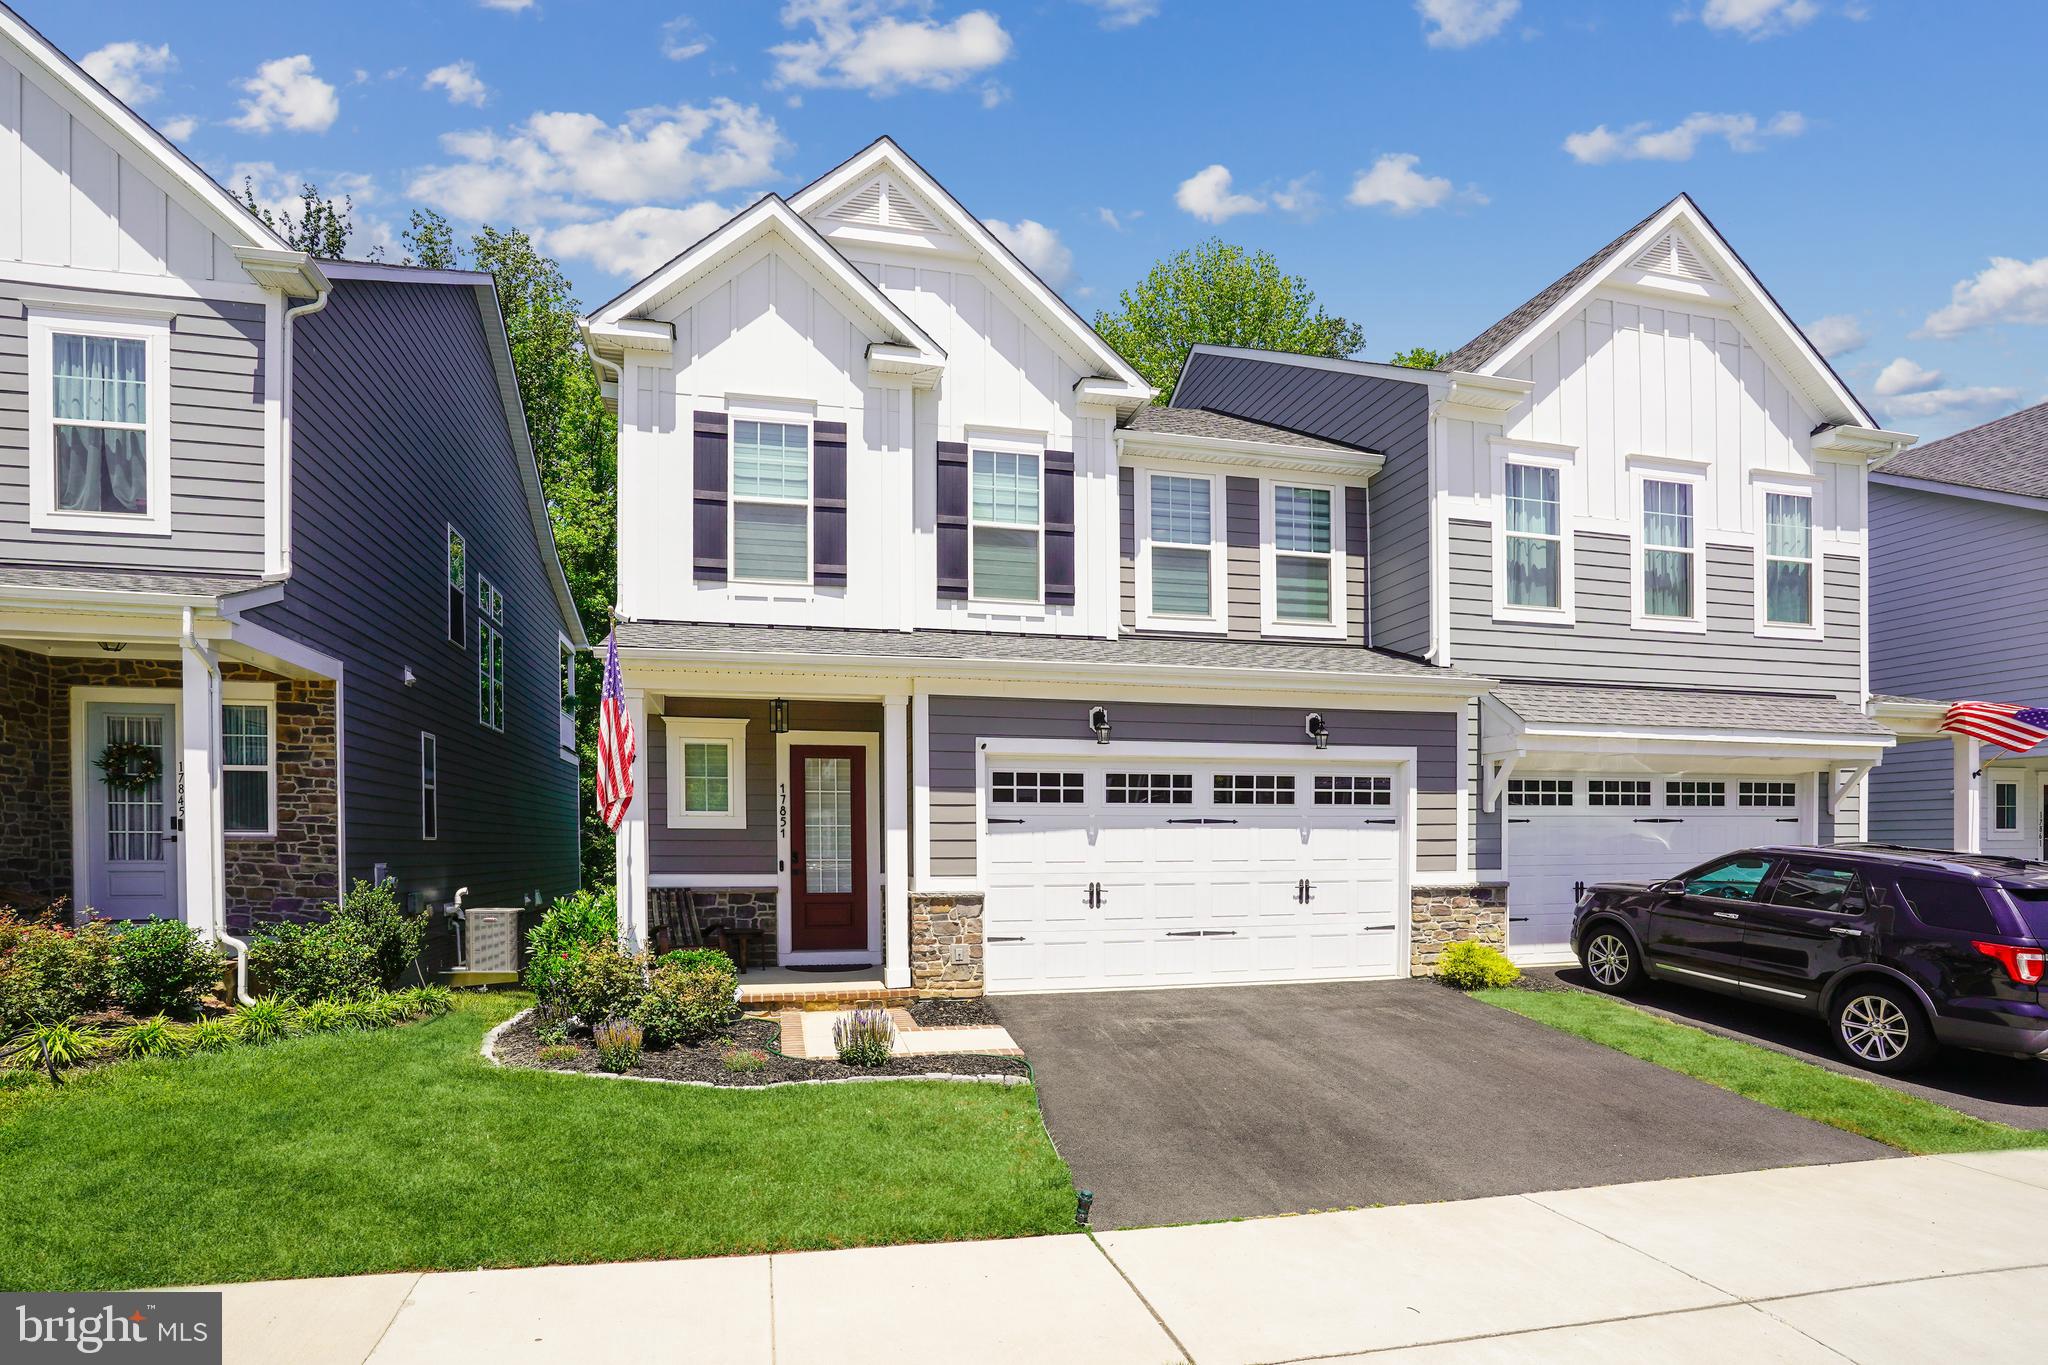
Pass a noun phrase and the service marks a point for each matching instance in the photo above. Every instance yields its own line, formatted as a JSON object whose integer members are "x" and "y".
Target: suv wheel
{"x": 1610, "y": 958}
{"x": 1881, "y": 1027}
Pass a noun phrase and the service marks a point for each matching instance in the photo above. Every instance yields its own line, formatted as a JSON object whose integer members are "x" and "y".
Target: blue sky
{"x": 1427, "y": 164}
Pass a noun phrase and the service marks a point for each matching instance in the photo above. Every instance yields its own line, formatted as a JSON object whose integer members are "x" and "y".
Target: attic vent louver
{"x": 865, "y": 207}
{"x": 1673, "y": 255}
{"x": 884, "y": 203}
{"x": 904, "y": 212}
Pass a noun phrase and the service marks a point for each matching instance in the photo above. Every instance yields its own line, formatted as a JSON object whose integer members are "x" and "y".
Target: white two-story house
{"x": 958, "y": 663}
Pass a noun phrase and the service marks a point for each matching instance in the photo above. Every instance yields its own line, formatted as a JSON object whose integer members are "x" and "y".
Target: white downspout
{"x": 284, "y": 421}
{"x": 189, "y": 643}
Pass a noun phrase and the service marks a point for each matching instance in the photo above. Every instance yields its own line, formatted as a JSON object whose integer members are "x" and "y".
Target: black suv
{"x": 1898, "y": 949}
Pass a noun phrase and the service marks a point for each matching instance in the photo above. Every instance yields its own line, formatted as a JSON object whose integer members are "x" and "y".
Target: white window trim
{"x": 565, "y": 711}
{"x": 1565, "y": 461}
{"x": 1008, "y": 445}
{"x": 494, "y": 622}
{"x": 1680, "y": 472}
{"x": 252, "y": 694}
{"x": 430, "y": 786}
{"x": 805, "y": 417}
{"x": 698, "y": 730}
{"x": 1760, "y": 501}
{"x": 1217, "y": 620}
{"x": 43, "y": 512}
{"x": 1339, "y": 624}
{"x": 460, "y": 639}
{"x": 1996, "y": 788}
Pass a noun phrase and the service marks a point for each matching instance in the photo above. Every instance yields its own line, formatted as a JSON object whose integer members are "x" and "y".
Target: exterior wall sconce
{"x": 1098, "y": 721}
{"x": 778, "y": 716}
{"x": 408, "y": 676}
{"x": 1314, "y": 728}
{"x": 113, "y": 646}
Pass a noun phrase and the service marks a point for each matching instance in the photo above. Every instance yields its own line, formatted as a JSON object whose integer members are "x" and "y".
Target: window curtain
{"x": 1535, "y": 559}
{"x": 1180, "y": 516}
{"x": 1667, "y": 572}
{"x": 1005, "y": 490}
{"x": 1301, "y": 522}
{"x": 1788, "y": 558}
{"x": 101, "y": 379}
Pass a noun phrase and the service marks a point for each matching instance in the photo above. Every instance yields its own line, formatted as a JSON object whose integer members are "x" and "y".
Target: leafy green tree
{"x": 321, "y": 229}
{"x": 1223, "y": 295}
{"x": 1419, "y": 358}
{"x": 429, "y": 241}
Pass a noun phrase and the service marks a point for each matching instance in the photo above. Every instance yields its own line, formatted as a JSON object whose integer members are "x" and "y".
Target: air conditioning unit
{"x": 488, "y": 940}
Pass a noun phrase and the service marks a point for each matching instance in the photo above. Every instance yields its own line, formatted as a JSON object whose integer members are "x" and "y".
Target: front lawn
{"x": 1858, "y": 1106}
{"x": 348, "y": 1153}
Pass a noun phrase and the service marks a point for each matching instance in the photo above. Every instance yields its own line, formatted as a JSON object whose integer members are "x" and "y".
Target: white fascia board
{"x": 1115, "y": 393}
{"x": 633, "y": 334}
{"x": 1358, "y": 466}
{"x": 292, "y": 273}
{"x": 1911, "y": 719}
{"x": 1867, "y": 446}
{"x": 1478, "y": 397}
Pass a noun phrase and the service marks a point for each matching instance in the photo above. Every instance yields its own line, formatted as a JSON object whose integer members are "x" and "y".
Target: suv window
{"x": 1813, "y": 886}
{"x": 1731, "y": 879}
{"x": 1943, "y": 904}
{"x": 2032, "y": 903}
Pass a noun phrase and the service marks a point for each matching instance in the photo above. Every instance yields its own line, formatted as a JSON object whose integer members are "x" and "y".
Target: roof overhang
{"x": 1479, "y": 397}
{"x": 294, "y": 274}
{"x": 1347, "y": 464}
{"x": 1910, "y": 717}
{"x": 1867, "y": 446}
{"x": 1126, "y": 398}
{"x": 1507, "y": 738}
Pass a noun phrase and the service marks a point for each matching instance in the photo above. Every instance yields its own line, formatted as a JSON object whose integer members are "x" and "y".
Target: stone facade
{"x": 738, "y": 909}
{"x": 294, "y": 874}
{"x": 945, "y": 943}
{"x": 35, "y": 817}
{"x": 1442, "y": 915}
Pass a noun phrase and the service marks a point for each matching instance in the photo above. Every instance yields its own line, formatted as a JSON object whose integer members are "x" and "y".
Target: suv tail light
{"x": 2024, "y": 965}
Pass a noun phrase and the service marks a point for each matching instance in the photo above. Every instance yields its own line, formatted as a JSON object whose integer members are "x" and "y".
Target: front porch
{"x": 1946, "y": 790}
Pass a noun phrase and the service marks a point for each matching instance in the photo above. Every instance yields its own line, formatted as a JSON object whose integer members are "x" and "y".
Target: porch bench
{"x": 675, "y": 921}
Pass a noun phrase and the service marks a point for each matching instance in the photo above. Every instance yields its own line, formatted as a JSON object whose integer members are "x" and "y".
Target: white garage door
{"x": 1135, "y": 873}
{"x": 1563, "y": 831}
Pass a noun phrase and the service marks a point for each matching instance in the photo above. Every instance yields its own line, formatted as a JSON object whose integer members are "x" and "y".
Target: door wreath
{"x": 128, "y": 765}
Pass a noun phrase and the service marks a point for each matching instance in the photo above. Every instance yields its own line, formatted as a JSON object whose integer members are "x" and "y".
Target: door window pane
{"x": 1731, "y": 879}
{"x": 828, "y": 825}
{"x": 135, "y": 815}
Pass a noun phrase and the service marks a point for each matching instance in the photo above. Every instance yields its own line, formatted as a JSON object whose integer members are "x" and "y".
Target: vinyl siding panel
{"x": 960, "y": 724}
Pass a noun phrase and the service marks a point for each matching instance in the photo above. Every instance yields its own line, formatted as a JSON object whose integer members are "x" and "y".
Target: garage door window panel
{"x": 1601, "y": 791}
{"x": 1254, "y": 789}
{"x": 1149, "y": 789}
{"x": 1695, "y": 794}
{"x": 1539, "y": 791}
{"x": 1337, "y": 789}
{"x": 1033, "y": 787}
{"x": 1767, "y": 794}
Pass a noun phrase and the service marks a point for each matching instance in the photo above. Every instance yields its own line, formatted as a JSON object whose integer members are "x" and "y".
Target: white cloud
{"x": 863, "y": 45}
{"x": 1299, "y": 197}
{"x": 547, "y": 166}
{"x": 1038, "y": 246}
{"x": 1461, "y": 23}
{"x": 636, "y": 241}
{"x": 1109, "y": 219}
{"x": 1207, "y": 195}
{"x": 2008, "y": 290}
{"x": 1394, "y": 184}
{"x": 1837, "y": 334}
{"x": 286, "y": 94}
{"x": 461, "y": 82}
{"x": 509, "y": 6}
{"x": 1754, "y": 19}
{"x": 126, "y": 68}
{"x": 1124, "y": 13}
{"x": 1641, "y": 142}
{"x": 178, "y": 127}
{"x": 681, "y": 39}
{"x": 1931, "y": 402}
{"x": 1904, "y": 376}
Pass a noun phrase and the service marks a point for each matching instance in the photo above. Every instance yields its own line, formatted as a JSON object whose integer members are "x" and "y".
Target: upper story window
{"x": 490, "y": 655}
{"x": 1006, "y": 522}
{"x": 1534, "y": 536}
{"x": 1180, "y": 556}
{"x": 1668, "y": 577}
{"x": 1304, "y": 594}
{"x": 771, "y": 502}
{"x": 1788, "y": 568}
{"x": 458, "y": 588}
{"x": 568, "y": 678}
{"x": 99, "y": 420}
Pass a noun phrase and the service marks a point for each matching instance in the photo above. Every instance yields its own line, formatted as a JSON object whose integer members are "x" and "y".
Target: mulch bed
{"x": 518, "y": 1046}
{"x": 972, "y": 1013}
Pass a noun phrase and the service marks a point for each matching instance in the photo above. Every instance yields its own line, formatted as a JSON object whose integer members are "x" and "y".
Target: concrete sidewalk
{"x": 1875, "y": 1261}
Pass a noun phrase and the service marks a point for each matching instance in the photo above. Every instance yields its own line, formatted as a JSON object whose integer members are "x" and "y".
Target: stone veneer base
{"x": 945, "y": 943}
{"x": 1439, "y": 916}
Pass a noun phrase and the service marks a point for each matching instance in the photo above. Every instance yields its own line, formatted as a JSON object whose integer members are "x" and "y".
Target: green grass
{"x": 1854, "y": 1105}
{"x": 403, "y": 1149}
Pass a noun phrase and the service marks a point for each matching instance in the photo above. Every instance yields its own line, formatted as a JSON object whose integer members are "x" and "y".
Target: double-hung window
{"x": 771, "y": 502}
{"x": 1790, "y": 582}
{"x": 1181, "y": 549}
{"x": 99, "y": 424}
{"x": 248, "y": 754}
{"x": 1533, "y": 538}
{"x": 1668, "y": 566}
{"x": 1305, "y": 592}
{"x": 2005, "y": 806}
{"x": 1006, "y": 521}
{"x": 458, "y": 588}
{"x": 490, "y": 655}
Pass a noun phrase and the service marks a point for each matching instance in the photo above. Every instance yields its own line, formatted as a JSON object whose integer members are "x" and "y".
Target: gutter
{"x": 189, "y": 644}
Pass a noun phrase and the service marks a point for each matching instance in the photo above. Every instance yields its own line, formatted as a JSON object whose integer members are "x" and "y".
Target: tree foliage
{"x": 1419, "y": 358}
{"x": 320, "y": 229}
{"x": 1220, "y": 294}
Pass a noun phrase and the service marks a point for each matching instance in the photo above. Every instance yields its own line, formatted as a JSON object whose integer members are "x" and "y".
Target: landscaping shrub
{"x": 322, "y": 1016}
{"x": 434, "y": 1001}
{"x": 212, "y": 1035}
{"x": 688, "y": 999}
{"x": 161, "y": 966}
{"x": 152, "y": 1037}
{"x": 334, "y": 960}
{"x": 744, "y": 1059}
{"x": 556, "y": 1054}
{"x": 864, "y": 1038}
{"x": 602, "y": 983}
{"x": 583, "y": 920}
{"x": 49, "y": 974}
{"x": 697, "y": 957}
{"x": 395, "y": 938}
{"x": 266, "y": 1019}
{"x": 618, "y": 1044}
{"x": 551, "y": 1032}
{"x": 50, "y": 1048}
{"x": 1470, "y": 966}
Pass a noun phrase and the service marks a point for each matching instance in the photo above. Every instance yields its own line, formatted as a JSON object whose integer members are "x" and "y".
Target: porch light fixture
{"x": 1314, "y": 728}
{"x": 113, "y": 646}
{"x": 778, "y": 716}
{"x": 1098, "y": 721}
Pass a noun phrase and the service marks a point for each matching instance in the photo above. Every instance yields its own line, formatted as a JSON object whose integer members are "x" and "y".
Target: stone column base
{"x": 945, "y": 943}
{"x": 1442, "y": 915}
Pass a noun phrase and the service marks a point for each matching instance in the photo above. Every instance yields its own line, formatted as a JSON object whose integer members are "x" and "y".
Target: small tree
{"x": 1419, "y": 358}
{"x": 320, "y": 230}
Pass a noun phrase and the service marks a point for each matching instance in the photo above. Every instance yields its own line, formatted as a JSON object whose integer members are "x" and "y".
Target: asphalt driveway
{"x": 1185, "y": 1106}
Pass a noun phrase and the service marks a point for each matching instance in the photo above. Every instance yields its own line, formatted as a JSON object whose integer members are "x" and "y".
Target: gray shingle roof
{"x": 124, "y": 581}
{"x": 1128, "y": 651}
{"x": 2008, "y": 454}
{"x": 1491, "y": 342}
{"x": 1222, "y": 427}
{"x": 1654, "y": 708}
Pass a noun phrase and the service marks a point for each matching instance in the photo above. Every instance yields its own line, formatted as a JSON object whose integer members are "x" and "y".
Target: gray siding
{"x": 216, "y": 450}
{"x": 399, "y": 431}
{"x": 1601, "y": 647}
{"x": 735, "y": 852}
{"x": 1911, "y": 795}
{"x": 959, "y": 724}
{"x": 1378, "y": 413}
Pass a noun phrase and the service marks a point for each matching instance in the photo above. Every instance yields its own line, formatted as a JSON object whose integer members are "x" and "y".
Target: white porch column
{"x": 895, "y": 842}
{"x": 199, "y": 835}
{"x": 630, "y": 844}
{"x": 1969, "y": 794}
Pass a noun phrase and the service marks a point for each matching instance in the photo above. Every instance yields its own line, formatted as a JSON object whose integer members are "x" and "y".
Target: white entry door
{"x": 1107, "y": 874}
{"x": 131, "y": 844}
{"x": 1564, "y": 831}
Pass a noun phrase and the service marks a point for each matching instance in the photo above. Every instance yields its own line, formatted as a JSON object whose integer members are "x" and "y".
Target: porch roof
{"x": 122, "y": 582}
{"x": 1544, "y": 705}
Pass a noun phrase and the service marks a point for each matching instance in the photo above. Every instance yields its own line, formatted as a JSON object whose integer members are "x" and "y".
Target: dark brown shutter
{"x": 710, "y": 481}
{"x": 952, "y": 488}
{"x": 828, "y": 504}
{"x": 1059, "y": 527}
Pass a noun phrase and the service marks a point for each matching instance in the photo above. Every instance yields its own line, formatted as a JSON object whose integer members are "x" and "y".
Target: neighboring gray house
{"x": 279, "y": 601}
{"x": 1956, "y": 527}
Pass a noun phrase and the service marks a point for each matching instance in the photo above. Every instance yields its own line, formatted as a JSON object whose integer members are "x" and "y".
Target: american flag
{"x": 616, "y": 747}
{"x": 2018, "y": 728}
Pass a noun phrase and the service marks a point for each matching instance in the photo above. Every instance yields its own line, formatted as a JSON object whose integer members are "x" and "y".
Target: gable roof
{"x": 1218, "y": 426}
{"x": 2008, "y": 454}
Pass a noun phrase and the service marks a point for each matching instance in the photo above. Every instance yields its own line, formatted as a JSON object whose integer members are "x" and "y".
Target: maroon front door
{"x": 828, "y": 847}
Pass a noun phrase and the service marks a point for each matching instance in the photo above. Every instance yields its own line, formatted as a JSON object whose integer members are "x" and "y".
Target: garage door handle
{"x": 1788, "y": 819}
{"x": 1201, "y": 933}
{"x": 999, "y": 939}
{"x": 1518, "y": 819}
{"x": 1004, "y": 820}
{"x": 1383, "y": 822}
{"x": 1659, "y": 820}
